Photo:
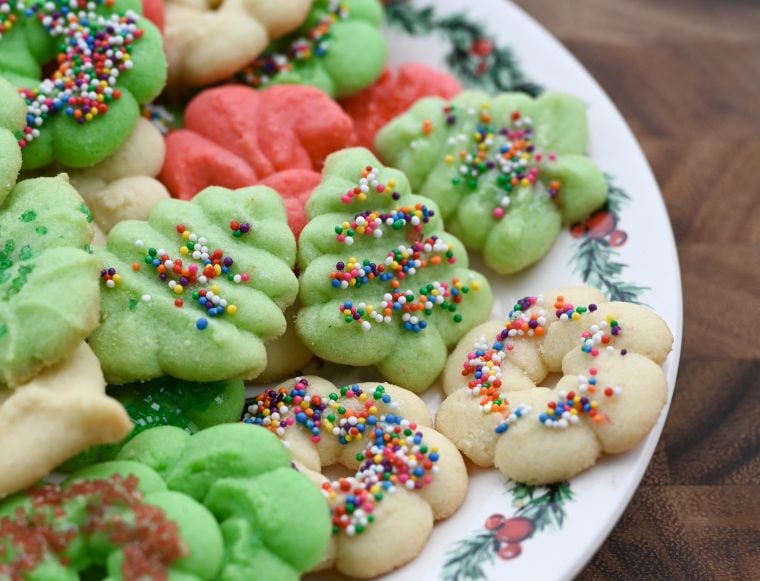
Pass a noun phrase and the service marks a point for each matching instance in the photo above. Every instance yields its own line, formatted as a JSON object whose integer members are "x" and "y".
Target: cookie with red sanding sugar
{"x": 235, "y": 136}
{"x": 339, "y": 49}
{"x": 208, "y": 41}
{"x": 506, "y": 171}
{"x": 196, "y": 290}
{"x": 393, "y": 94}
{"x": 107, "y": 58}
{"x": 382, "y": 283}
{"x": 610, "y": 395}
{"x": 44, "y": 230}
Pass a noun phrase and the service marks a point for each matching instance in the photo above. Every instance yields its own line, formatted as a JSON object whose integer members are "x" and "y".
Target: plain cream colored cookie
{"x": 207, "y": 41}
{"x": 61, "y": 412}
{"x": 286, "y": 355}
{"x": 609, "y": 397}
{"x": 123, "y": 187}
{"x": 407, "y": 475}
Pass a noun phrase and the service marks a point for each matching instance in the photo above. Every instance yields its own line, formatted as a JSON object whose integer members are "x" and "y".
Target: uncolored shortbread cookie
{"x": 61, "y": 412}
{"x": 208, "y": 41}
{"x": 196, "y": 290}
{"x": 123, "y": 187}
{"x": 338, "y": 49}
{"x": 107, "y": 60}
{"x": 381, "y": 282}
{"x": 44, "y": 230}
{"x": 506, "y": 171}
{"x": 609, "y": 398}
{"x": 408, "y": 475}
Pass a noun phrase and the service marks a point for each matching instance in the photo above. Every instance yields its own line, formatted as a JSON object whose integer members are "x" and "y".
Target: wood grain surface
{"x": 686, "y": 76}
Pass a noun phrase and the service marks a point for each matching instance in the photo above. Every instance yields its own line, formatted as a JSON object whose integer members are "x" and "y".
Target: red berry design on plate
{"x": 515, "y": 530}
{"x": 495, "y": 521}
{"x": 600, "y": 224}
{"x": 482, "y": 47}
{"x": 617, "y": 238}
{"x": 510, "y": 551}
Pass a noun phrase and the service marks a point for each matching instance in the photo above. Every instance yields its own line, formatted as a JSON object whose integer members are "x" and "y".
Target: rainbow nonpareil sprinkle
{"x": 95, "y": 50}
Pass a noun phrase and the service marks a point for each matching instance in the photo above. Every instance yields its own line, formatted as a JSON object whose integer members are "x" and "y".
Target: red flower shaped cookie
{"x": 394, "y": 93}
{"x": 235, "y": 136}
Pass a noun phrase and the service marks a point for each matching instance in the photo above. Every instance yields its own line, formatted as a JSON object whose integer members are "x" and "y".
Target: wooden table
{"x": 686, "y": 76}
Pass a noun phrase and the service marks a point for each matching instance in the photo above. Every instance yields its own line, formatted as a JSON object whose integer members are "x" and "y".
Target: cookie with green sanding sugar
{"x": 237, "y": 470}
{"x": 89, "y": 104}
{"x": 338, "y": 49}
{"x": 196, "y": 290}
{"x": 506, "y": 171}
{"x": 12, "y": 120}
{"x": 119, "y": 519}
{"x": 48, "y": 282}
{"x": 167, "y": 401}
{"x": 382, "y": 283}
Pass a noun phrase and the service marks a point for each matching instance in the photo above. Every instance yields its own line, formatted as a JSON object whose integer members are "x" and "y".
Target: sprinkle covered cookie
{"x": 236, "y": 137}
{"x": 381, "y": 282}
{"x": 108, "y": 60}
{"x": 273, "y": 519}
{"x": 196, "y": 290}
{"x": 609, "y": 398}
{"x": 116, "y": 517}
{"x": 208, "y": 41}
{"x": 407, "y": 474}
{"x": 506, "y": 171}
{"x": 338, "y": 49}
{"x": 44, "y": 230}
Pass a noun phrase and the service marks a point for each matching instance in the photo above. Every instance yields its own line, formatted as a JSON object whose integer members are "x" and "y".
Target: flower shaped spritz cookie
{"x": 381, "y": 282}
{"x": 506, "y": 171}
{"x": 339, "y": 49}
{"x": 44, "y": 228}
{"x": 407, "y": 474}
{"x": 610, "y": 395}
{"x": 196, "y": 290}
{"x": 108, "y": 59}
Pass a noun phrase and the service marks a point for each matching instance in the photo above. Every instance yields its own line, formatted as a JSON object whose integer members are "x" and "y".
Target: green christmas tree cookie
{"x": 338, "y": 49}
{"x": 196, "y": 290}
{"x": 506, "y": 171}
{"x": 48, "y": 282}
{"x": 273, "y": 518}
{"x": 108, "y": 59}
{"x": 382, "y": 283}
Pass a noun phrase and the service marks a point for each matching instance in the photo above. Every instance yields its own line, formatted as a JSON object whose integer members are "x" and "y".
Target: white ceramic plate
{"x": 627, "y": 250}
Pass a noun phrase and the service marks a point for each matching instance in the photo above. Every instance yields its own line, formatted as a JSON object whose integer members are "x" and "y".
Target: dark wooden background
{"x": 686, "y": 76}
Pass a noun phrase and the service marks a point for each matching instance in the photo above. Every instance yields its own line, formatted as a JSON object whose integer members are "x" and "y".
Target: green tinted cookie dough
{"x": 62, "y": 128}
{"x": 116, "y": 515}
{"x": 205, "y": 314}
{"x": 346, "y": 52}
{"x": 405, "y": 330}
{"x": 12, "y": 120}
{"x": 48, "y": 282}
{"x": 168, "y": 401}
{"x": 506, "y": 171}
{"x": 160, "y": 448}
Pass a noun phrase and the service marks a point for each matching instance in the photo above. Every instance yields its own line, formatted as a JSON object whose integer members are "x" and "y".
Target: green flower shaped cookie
{"x": 12, "y": 120}
{"x": 339, "y": 49}
{"x": 116, "y": 520}
{"x": 506, "y": 171}
{"x": 196, "y": 290}
{"x": 382, "y": 283}
{"x": 273, "y": 518}
{"x": 48, "y": 282}
{"x": 108, "y": 59}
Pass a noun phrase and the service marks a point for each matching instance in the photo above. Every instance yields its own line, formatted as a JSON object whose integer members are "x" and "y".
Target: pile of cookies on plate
{"x": 196, "y": 195}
